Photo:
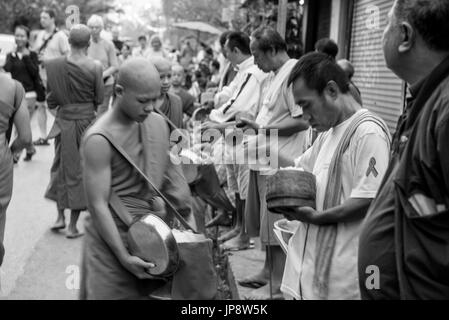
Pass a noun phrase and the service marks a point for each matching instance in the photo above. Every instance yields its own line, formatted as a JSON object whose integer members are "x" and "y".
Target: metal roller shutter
{"x": 382, "y": 91}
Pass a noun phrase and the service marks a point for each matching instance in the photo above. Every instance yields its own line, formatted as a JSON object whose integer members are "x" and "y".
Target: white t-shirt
{"x": 360, "y": 179}
{"x": 57, "y": 46}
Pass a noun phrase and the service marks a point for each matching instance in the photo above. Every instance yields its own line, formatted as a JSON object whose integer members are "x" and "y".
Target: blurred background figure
{"x": 23, "y": 65}
{"x": 125, "y": 53}
{"x": 156, "y": 49}
{"x": 178, "y": 79}
{"x": 50, "y": 43}
{"x": 143, "y": 50}
{"x": 118, "y": 44}
{"x": 103, "y": 51}
{"x": 327, "y": 46}
{"x": 347, "y": 67}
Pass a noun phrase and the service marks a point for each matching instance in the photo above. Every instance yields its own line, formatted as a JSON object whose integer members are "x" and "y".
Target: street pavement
{"x": 38, "y": 264}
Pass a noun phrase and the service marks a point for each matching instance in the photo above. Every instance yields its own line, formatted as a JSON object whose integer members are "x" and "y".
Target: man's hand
{"x": 208, "y": 125}
{"x": 245, "y": 124}
{"x": 303, "y": 214}
{"x": 138, "y": 267}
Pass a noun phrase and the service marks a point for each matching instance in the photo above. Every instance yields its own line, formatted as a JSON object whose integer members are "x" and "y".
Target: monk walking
{"x": 75, "y": 88}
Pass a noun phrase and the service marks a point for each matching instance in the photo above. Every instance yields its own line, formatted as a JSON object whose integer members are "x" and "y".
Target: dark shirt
{"x": 26, "y": 71}
{"x": 118, "y": 45}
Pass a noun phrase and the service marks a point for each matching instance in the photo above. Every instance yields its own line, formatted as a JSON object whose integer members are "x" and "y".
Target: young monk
{"x": 109, "y": 271}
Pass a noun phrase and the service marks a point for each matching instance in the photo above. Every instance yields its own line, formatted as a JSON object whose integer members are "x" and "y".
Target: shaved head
{"x": 79, "y": 36}
{"x": 161, "y": 64}
{"x": 347, "y": 67}
{"x": 138, "y": 74}
{"x": 177, "y": 68}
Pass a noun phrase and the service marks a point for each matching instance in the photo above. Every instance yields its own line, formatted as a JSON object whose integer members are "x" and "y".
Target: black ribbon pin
{"x": 372, "y": 168}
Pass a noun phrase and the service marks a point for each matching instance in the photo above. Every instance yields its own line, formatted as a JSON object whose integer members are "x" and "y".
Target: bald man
{"x": 109, "y": 271}
{"x": 347, "y": 67}
{"x": 75, "y": 89}
{"x": 168, "y": 103}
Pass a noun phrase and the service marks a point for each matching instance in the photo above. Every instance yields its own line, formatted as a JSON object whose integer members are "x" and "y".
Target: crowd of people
{"x": 381, "y": 200}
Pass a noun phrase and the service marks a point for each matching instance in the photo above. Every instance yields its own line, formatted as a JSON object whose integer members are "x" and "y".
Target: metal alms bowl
{"x": 152, "y": 240}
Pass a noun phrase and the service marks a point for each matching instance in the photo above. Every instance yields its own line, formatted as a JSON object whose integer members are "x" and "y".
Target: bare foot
{"x": 59, "y": 225}
{"x": 241, "y": 242}
{"x": 255, "y": 281}
{"x": 73, "y": 233}
{"x": 229, "y": 235}
{"x": 263, "y": 293}
{"x": 221, "y": 219}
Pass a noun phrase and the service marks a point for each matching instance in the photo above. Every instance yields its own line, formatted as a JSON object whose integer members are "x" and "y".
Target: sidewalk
{"x": 243, "y": 264}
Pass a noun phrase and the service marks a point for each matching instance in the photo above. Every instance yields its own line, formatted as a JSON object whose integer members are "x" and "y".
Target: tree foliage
{"x": 27, "y": 11}
{"x": 194, "y": 10}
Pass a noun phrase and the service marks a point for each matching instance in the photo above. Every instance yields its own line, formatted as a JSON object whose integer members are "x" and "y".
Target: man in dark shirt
{"x": 404, "y": 244}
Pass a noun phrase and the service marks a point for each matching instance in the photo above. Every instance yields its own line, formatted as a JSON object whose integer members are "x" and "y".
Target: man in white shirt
{"x": 279, "y": 114}
{"x": 242, "y": 97}
{"x": 349, "y": 159}
{"x": 50, "y": 43}
{"x": 143, "y": 50}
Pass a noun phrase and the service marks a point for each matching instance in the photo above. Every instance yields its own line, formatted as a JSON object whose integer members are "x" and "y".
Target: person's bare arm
{"x": 97, "y": 184}
{"x": 353, "y": 209}
{"x": 285, "y": 128}
{"x": 113, "y": 62}
{"x": 22, "y": 123}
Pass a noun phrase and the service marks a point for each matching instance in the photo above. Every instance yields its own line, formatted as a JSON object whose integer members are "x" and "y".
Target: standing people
{"x": 109, "y": 271}
{"x": 75, "y": 88}
{"x": 23, "y": 65}
{"x": 348, "y": 159}
{"x": 142, "y": 50}
{"x": 241, "y": 96}
{"x": 51, "y": 43}
{"x": 13, "y": 110}
{"x": 103, "y": 51}
{"x": 277, "y": 111}
{"x": 406, "y": 232}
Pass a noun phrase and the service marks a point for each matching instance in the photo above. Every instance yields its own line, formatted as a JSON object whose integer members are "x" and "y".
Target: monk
{"x": 168, "y": 103}
{"x": 109, "y": 271}
{"x": 75, "y": 90}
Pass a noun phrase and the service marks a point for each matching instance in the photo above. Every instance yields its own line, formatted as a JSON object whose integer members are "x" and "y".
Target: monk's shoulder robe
{"x": 172, "y": 108}
{"x": 406, "y": 232}
{"x": 103, "y": 277}
{"x": 76, "y": 89}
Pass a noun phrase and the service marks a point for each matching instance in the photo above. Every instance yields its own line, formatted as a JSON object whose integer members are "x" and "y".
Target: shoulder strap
{"x": 45, "y": 44}
{"x": 143, "y": 175}
{"x": 238, "y": 94}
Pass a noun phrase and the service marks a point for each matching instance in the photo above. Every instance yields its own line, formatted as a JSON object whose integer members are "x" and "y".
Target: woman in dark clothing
{"x": 24, "y": 67}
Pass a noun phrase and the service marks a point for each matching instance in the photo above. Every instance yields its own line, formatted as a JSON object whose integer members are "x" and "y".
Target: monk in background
{"x": 168, "y": 103}
{"x": 75, "y": 90}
